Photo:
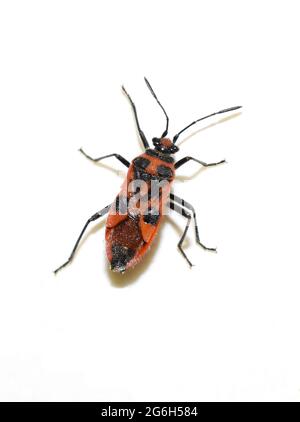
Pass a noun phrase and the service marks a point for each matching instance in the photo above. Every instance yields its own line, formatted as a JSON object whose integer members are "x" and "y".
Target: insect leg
{"x": 118, "y": 157}
{"x": 142, "y": 135}
{"x": 181, "y": 211}
{"x": 185, "y": 204}
{"x": 186, "y": 159}
{"x": 93, "y": 218}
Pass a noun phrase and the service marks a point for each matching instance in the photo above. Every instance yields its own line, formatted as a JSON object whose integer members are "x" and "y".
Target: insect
{"x": 131, "y": 226}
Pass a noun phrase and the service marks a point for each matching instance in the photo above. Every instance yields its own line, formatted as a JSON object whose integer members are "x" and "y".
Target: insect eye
{"x": 156, "y": 141}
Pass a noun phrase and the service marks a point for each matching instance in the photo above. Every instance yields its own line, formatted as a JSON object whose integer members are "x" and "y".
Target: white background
{"x": 229, "y": 328}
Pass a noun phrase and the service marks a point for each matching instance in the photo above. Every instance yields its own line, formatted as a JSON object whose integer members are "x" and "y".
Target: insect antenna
{"x": 202, "y": 118}
{"x": 158, "y": 102}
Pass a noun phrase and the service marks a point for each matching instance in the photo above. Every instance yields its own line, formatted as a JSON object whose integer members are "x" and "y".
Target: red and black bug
{"x": 136, "y": 214}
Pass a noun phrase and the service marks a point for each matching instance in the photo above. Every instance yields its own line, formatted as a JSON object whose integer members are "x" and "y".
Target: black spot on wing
{"x": 152, "y": 217}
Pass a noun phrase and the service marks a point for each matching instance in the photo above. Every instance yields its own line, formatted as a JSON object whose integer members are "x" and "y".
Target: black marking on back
{"x": 162, "y": 157}
{"x": 141, "y": 162}
{"x": 142, "y": 175}
{"x": 164, "y": 172}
